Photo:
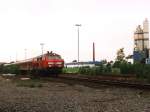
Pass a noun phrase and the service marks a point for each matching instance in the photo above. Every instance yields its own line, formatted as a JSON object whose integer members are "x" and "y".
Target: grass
{"x": 71, "y": 70}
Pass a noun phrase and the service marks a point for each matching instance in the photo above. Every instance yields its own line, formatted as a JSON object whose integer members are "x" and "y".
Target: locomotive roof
{"x": 48, "y": 53}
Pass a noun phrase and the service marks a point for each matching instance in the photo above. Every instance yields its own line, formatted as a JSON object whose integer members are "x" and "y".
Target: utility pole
{"x": 10, "y": 59}
{"x": 78, "y": 25}
{"x": 16, "y": 56}
{"x": 25, "y": 54}
{"x": 42, "y": 45}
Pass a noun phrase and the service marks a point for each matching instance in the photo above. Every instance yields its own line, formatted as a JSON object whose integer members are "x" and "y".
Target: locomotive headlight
{"x": 58, "y": 62}
{"x": 50, "y": 63}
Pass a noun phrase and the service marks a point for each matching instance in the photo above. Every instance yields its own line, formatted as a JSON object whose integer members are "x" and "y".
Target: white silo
{"x": 139, "y": 38}
{"x": 146, "y": 33}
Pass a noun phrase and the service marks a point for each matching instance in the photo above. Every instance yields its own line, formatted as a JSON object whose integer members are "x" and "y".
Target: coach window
{"x": 43, "y": 58}
{"x": 40, "y": 58}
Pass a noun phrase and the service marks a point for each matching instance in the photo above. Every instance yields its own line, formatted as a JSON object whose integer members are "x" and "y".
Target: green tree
{"x": 120, "y": 55}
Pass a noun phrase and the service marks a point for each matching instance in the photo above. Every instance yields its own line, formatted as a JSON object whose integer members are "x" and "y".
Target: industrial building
{"x": 141, "y": 43}
{"x": 85, "y": 64}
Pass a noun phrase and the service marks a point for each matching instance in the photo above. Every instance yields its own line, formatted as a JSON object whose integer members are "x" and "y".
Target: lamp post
{"x": 42, "y": 45}
{"x": 78, "y": 25}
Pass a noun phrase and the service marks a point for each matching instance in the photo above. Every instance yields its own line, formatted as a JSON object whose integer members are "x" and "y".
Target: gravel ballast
{"x": 47, "y": 96}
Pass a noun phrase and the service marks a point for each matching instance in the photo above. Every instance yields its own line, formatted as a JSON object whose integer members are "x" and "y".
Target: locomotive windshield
{"x": 54, "y": 57}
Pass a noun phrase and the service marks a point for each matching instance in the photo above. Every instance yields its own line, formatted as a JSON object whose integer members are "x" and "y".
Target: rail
{"x": 122, "y": 82}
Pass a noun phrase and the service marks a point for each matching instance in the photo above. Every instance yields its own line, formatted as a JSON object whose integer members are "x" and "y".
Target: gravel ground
{"x": 34, "y": 96}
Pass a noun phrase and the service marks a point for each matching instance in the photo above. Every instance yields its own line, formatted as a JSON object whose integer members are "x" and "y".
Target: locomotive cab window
{"x": 54, "y": 57}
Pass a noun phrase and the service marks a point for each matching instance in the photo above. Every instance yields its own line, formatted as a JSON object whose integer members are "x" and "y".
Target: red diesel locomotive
{"x": 46, "y": 63}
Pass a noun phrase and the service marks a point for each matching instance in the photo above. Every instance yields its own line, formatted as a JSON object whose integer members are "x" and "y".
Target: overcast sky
{"x": 24, "y": 24}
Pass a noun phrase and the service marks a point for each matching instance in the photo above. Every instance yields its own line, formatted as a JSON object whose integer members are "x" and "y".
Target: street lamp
{"x": 42, "y": 45}
{"x": 78, "y": 25}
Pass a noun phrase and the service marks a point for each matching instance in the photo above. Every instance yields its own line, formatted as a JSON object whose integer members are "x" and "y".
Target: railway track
{"x": 110, "y": 80}
{"x": 105, "y": 81}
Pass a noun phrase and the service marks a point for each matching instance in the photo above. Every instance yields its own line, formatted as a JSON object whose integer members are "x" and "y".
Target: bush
{"x": 142, "y": 71}
{"x": 115, "y": 70}
{"x": 116, "y": 64}
{"x": 14, "y": 69}
{"x": 126, "y": 68}
{"x": 92, "y": 71}
{"x": 107, "y": 69}
{"x": 84, "y": 70}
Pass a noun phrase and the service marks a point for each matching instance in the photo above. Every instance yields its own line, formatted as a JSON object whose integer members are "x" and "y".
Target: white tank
{"x": 146, "y": 26}
{"x": 146, "y": 33}
{"x": 138, "y": 38}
